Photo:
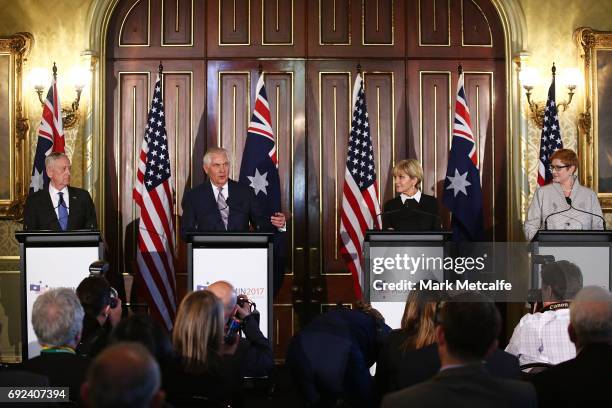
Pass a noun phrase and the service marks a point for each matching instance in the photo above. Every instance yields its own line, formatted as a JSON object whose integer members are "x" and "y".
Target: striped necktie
{"x": 223, "y": 208}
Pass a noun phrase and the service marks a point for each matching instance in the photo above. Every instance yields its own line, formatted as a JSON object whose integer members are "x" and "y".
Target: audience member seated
{"x": 204, "y": 369}
{"x": 102, "y": 312}
{"x": 417, "y": 331}
{"x": 542, "y": 337}
{"x": 57, "y": 319}
{"x": 145, "y": 330}
{"x": 124, "y": 375}
{"x": 253, "y": 354}
{"x": 410, "y": 355}
{"x": 467, "y": 333}
{"x": 586, "y": 380}
{"x": 330, "y": 358}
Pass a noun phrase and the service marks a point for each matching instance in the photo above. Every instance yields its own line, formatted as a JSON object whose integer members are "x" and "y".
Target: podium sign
{"x": 383, "y": 247}
{"x": 50, "y": 260}
{"x": 242, "y": 259}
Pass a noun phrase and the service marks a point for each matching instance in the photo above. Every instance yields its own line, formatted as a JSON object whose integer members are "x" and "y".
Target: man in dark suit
{"x": 222, "y": 204}
{"x": 59, "y": 207}
{"x": 57, "y": 319}
{"x": 586, "y": 380}
{"x": 467, "y": 334}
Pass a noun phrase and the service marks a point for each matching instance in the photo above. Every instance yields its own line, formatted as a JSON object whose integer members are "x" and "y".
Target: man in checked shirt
{"x": 542, "y": 337}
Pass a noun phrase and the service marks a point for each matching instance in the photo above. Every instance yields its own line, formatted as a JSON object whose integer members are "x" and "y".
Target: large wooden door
{"x": 309, "y": 51}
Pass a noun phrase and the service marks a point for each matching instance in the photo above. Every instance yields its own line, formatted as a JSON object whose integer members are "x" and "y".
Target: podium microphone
{"x": 568, "y": 200}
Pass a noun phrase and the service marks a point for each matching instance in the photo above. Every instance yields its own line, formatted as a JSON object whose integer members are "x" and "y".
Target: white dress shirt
{"x": 542, "y": 338}
{"x": 416, "y": 197}
{"x": 55, "y": 198}
{"x": 224, "y": 189}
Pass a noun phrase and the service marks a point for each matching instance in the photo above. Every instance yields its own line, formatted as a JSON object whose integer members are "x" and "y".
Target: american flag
{"x": 360, "y": 205}
{"x": 153, "y": 194}
{"x": 50, "y": 138}
{"x": 550, "y": 141}
{"x": 462, "y": 193}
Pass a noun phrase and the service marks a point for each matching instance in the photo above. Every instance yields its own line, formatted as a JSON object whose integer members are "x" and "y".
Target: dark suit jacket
{"x": 397, "y": 369}
{"x": 401, "y": 218}
{"x": 200, "y": 211}
{"x": 584, "y": 381}
{"x": 62, "y": 369}
{"x": 466, "y": 386}
{"x": 330, "y": 357}
{"x": 40, "y": 215}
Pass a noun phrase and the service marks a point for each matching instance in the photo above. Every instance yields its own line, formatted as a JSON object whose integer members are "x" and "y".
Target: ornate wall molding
{"x": 16, "y": 49}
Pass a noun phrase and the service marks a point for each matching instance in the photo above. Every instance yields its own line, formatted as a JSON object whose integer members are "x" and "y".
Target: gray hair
{"x": 123, "y": 375}
{"x": 211, "y": 152}
{"x": 591, "y": 315}
{"x": 57, "y": 317}
{"x": 53, "y": 157}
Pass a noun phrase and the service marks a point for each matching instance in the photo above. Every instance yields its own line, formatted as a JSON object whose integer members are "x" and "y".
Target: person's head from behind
{"x": 591, "y": 317}
{"x": 95, "y": 294}
{"x": 58, "y": 169}
{"x": 561, "y": 280}
{"x": 418, "y": 320}
{"x": 226, "y": 293}
{"x": 198, "y": 329}
{"x": 145, "y": 330}
{"x": 123, "y": 375}
{"x": 57, "y": 318}
{"x": 468, "y": 329}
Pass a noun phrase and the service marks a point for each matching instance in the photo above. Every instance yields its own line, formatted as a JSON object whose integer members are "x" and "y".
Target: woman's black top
{"x": 411, "y": 216}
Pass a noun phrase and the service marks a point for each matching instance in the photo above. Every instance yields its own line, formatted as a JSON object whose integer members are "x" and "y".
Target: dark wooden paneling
{"x": 235, "y": 22}
{"x": 476, "y": 29}
{"x": 379, "y": 22}
{"x": 277, "y": 20}
{"x": 284, "y": 328}
{"x": 258, "y": 29}
{"x": 351, "y": 28}
{"x": 177, "y": 22}
{"x": 135, "y": 27}
{"x": 434, "y": 22}
{"x": 430, "y": 38}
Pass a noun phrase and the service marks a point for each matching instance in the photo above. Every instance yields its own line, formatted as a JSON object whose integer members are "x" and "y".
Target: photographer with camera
{"x": 102, "y": 308}
{"x": 253, "y": 353}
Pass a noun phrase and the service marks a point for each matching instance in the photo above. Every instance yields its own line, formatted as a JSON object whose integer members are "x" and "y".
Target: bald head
{"x": 226, "y": 293}
{"x": 591, "y": 316}
{"x": 123, "y": 375}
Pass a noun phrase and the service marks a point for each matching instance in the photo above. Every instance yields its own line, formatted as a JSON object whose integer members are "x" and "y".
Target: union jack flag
{"x": 153, "y": 195}
{"x": 550, "y": 140}
{"x": 259, "y": 167}
{"x": 360, "y": 205}
{"x": 50, "y": 138}
{"x": 462, "y": 193}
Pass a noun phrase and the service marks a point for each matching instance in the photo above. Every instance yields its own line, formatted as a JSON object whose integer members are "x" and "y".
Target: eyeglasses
{"x": 553, "y": 168}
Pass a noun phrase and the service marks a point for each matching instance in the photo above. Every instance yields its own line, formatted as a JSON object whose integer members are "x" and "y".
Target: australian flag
{"x": 462, "y": 192}
{"x": 259, "y": 168}
{"x": 50, "y": 138}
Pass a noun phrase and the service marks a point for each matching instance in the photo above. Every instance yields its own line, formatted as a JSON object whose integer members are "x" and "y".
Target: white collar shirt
{"x": 416, "y": 197}
{"x": 224, "y": 189}
{"x": 55, "y": 198}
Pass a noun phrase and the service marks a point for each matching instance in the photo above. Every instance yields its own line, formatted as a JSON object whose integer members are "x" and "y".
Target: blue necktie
{"x": 62, "y": 212}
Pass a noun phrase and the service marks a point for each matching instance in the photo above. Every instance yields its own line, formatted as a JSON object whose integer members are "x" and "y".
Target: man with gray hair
{"x": 584, "y": 381}
{"x": 222, "y": 204}
{"x": 124, "y": 375}
{"x": 58, "y": 206}
{"x": 57, "y": 318}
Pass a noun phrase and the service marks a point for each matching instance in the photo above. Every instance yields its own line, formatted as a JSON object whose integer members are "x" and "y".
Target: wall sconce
{"x": 39, "y": 79}
{"x": 529, "y": 79}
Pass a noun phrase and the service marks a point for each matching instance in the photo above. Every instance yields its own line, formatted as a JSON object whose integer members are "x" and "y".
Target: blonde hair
{"x": 418, "y": 320}
{"x": 198, "y": 330}
{"x": 411, "y": 167}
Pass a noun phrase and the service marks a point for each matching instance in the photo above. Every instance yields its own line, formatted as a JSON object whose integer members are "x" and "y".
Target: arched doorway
{"x": 211, "y": 51}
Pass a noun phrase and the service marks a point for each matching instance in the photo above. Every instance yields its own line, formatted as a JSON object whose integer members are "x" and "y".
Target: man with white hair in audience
{"x": 586, "y": 380}
{"x": 57, "y": 318}
{"x": 124, "y": 375}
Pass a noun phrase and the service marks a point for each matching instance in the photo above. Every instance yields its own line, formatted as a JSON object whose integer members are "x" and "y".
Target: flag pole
{"x": 160, "y": 68}
{"x": 460, "y": 69}
{"x": 54, "y": 71}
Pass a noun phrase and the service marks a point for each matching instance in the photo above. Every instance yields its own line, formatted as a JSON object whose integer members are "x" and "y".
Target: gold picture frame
{"x": 595, "y": 123}
{"x": 14, "y": 125}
